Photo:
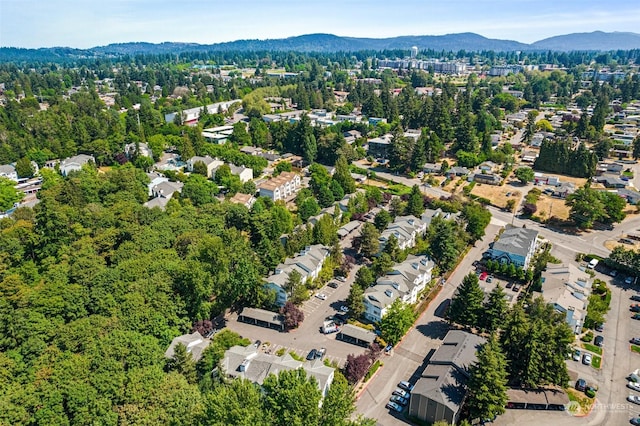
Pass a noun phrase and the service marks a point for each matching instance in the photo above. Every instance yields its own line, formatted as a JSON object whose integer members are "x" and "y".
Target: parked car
{"x": 598, "y": 341}
{"x": 635, "y": 308}
{"x": 341, "y": 279}
{"x": 394, "y": 407}
{"x": 629, "y": 280}
{"x": 321, "y": 296}
{"x": 490, "y": 278}
{"x": 633, "y": 385}
{"x": 344, "y": 308}
{"x": 635, "y": 340}
{"x": 600, "y": 327}
{"x": 633, "y": 398}
{"x": 333, "y": 284}
{"x": 516, "y": 288}
{"x": 576, "y": 355}
{"x": 398, "y": 400}
{"x": 406, "y": 386}
{"x": 483, "y": 276}
{"x": 312, "y": 355}
{"x": 613, "y": 273}
{"x": 581, "y": 385}
{"x": 635, "y": 421}
{"x": 401, "y": 392}
{"x": 636, "y": 297}
{"x": 586, "y": 359}
{"x": 509, "y": 284}
{"x": 636, "y": 317}
{"x": 257, "y": 343}
{"x": 320, "y": 353}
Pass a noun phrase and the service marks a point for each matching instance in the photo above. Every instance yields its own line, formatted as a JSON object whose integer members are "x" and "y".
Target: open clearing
{"x": 551, "y": 206}
{"x": 497, "y": 194}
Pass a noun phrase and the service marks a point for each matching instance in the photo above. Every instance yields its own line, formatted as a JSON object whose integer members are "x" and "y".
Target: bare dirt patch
{"x": 552, "y": 207}
{"x": 497, "y": 194}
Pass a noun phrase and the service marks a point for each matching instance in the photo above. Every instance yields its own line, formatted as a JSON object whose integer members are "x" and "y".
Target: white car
{"x": 633, "y": 385}
{"x": 633, "y": 398}
{"x": 321, "y": 296}
{"x": 586, "y": 359}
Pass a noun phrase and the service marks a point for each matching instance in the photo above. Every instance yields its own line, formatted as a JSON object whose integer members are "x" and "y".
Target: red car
{"x": 483, "y": 276}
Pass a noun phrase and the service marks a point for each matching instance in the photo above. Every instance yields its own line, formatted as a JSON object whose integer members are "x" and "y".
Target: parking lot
{"x": 308, "y": 336}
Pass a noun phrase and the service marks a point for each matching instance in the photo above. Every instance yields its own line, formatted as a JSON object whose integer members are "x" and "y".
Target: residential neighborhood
{"x": 331, "y": 237}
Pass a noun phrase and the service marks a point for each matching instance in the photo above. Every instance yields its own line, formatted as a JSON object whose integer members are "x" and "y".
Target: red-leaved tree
{"x": 356, "y": 367}
{"x": 292, "y": 315}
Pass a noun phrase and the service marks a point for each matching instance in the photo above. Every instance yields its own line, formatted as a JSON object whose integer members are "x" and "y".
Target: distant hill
{"x": 597, "y": 40}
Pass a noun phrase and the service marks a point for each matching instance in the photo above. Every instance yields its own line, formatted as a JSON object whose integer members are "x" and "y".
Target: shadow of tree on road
{"x": 434, "y": 329}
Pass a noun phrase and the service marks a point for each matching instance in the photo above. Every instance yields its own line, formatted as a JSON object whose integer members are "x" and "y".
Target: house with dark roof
{"x": 515, "y": 245}
{"x": 379, "y": 147}
{"x": 440, "y": 392}
{"x": 611, "y": 181}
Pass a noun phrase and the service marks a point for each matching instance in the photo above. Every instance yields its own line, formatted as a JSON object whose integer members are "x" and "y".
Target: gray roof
{"x": 257, "y": 365}
{"x": 194, "y": 343}
{"x": 516, "y": 241}
{"x": 358, "y": 333}
{"x": 443, "y": 384}
{"x": 458, "y": 170}
{"x": 262, "y": 315}
{"x": 159, "y": 202}
{"x": 7, "y": 169}
{"x": 458, "y": 349}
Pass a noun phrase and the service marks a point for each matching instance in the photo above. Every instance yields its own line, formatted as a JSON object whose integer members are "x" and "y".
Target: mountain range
{"x": 594, "y": 41}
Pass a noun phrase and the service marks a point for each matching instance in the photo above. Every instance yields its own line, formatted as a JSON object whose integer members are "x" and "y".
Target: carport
{"x": 537, "y": 399}
{"x": 261, "y": 317}
{"x": 356, "y": 335}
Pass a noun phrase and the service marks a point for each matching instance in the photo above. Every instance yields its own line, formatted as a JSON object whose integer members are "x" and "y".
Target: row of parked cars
{"x": 400, "y": 397}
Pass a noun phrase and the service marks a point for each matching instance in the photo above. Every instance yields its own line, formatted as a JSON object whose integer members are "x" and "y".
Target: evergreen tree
{"x": 495, "y": 310}
{"x": 183, "y": 363}
{"x": 415, "y": 205}
{"x": 466, "y": 304}
{"x": 369, "y": 240}
{"x": 342, "y": 175}
{"x": 355, "y": 301}
{"x": 487, "y": 383}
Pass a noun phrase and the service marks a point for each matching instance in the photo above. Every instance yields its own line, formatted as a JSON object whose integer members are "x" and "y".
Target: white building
{"x": 244, "y": 173}
{"x": 250, "y": 364}
{"x": 74, "y": 164}
{"x": 405, "y": 229}
{"x": 308, "y": 263}
{"x": 9, "y": 172}
{"x": 142, "y": 150}
{"x": 405, "y": 281}
{"x": 280, "y": 187}
{"x": 211, "y": 163}
{"x": 567, "y": 288}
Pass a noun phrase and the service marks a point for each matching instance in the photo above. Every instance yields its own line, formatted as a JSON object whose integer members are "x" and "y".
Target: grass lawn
{"x": 592, "y": 348}
{"x": 596, "y": 362}
{"x": 584, "y": 402}
{"x": 635, "y": 348}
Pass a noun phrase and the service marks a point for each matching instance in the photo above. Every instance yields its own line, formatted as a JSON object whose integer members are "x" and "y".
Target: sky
{"x": 90, "y": 23}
